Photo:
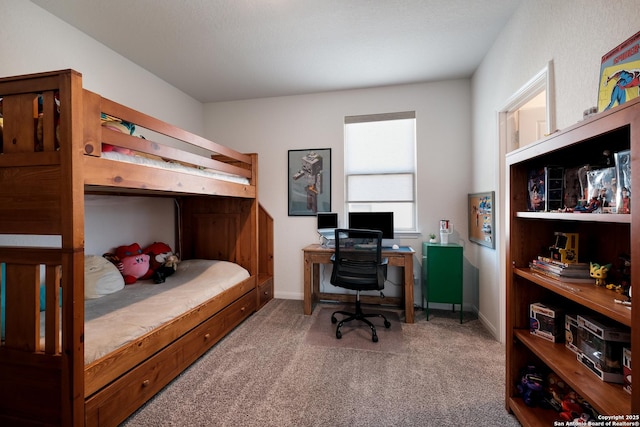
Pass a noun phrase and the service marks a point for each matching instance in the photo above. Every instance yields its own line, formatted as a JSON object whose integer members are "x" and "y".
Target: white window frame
{"x": 411, "y": 173}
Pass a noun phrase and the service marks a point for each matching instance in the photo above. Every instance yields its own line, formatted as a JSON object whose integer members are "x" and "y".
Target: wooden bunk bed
{"x": 52, "y": 140}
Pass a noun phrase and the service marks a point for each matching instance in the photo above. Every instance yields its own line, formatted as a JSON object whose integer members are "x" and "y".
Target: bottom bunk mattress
{"x": 118, "y": 318}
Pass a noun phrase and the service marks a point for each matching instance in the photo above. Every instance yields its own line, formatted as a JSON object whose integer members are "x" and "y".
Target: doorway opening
{"x": 528, "y": 116}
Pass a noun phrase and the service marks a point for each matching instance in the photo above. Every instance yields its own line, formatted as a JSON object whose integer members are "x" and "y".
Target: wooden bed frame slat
{"x": 22, "y": 291}
{"x": 30, "y": 200}
{"x": 148, "y": 122}
{"x": 163, "y": 152}
{"x": 116, "y": 175}
{"x": 20, "y": 113}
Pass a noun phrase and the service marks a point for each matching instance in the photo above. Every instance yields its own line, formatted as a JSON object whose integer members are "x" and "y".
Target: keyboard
{"x": 366, "y": 246}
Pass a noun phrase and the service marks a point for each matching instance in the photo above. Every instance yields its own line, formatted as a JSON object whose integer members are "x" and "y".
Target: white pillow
{"x": 101, "y": 277}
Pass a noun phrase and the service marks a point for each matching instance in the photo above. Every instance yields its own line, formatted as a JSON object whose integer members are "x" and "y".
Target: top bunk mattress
{"x": 121, "y": 317}
{"x": 141, "y": 160}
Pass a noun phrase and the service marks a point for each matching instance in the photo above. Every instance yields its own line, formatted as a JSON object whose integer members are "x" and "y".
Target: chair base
{"x": 358, "y": 315}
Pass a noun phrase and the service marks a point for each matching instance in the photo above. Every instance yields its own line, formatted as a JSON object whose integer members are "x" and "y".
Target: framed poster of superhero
{"x": 309, "y": 178}
{"x": 620, "y": 74}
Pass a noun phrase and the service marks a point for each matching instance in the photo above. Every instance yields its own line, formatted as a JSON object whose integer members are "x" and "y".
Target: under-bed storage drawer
{"x": 117, "y": 401}
{"x": 265, "y": 290}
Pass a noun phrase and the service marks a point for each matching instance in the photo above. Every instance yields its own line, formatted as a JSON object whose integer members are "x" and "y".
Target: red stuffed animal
{"x": 163, "y": 262}
{"x": 135, "y": 264}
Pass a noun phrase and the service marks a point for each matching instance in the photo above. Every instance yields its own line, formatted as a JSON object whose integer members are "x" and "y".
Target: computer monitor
{"x": 327, "y": 220}
{"x": 382, "y": 221}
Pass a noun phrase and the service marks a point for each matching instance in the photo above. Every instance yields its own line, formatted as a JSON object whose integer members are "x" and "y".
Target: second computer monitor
{"x": 382, "y": 221}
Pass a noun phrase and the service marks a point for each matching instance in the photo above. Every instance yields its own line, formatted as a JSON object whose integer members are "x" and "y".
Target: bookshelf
{"x": 603, "y": 237}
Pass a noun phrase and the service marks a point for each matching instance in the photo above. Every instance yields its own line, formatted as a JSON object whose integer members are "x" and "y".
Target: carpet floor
{"x": 357, "y": 335}
{"x": 282, "y": 368}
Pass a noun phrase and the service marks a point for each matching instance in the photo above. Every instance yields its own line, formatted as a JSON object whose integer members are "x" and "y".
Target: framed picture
{"x": 619, "y": 73}
{"x": 309, "y": 181}
{"x": 481, "y": 219}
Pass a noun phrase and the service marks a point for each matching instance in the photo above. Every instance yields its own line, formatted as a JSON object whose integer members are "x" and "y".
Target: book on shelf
{"x": 563, "y": 266}
{"x": 574, "y": 272}
{"x": 552, "y": 275}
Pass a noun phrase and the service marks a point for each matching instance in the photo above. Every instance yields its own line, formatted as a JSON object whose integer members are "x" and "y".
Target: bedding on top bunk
{"x": 130, "y": 156}
{"x": 141, "y": 160}
{"x": 117, "y": 317}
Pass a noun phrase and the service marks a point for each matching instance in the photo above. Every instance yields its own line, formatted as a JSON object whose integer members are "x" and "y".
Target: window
{"x": 380, "y": 166}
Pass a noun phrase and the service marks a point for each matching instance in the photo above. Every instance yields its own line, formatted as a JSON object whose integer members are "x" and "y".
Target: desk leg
{"x": 308, "y": 279}
{"x": 408, "y": 288}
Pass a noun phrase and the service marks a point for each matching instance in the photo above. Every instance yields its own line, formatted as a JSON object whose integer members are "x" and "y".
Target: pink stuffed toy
{"x": 135, "y": 264}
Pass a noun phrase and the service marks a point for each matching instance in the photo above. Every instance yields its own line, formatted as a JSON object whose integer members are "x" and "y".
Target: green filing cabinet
{"x": 442, "y": 274}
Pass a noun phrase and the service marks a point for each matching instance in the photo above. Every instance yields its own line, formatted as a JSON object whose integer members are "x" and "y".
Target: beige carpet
{"x": 355, "y": 334}
{"x": 266, "y": 373}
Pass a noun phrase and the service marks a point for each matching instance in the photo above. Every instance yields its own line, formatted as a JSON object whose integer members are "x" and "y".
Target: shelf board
{"x": 607, "y": 398}
{"x": 587, "y": 217}
{"x": 599, "y": 299}
{"x": 532, "y": 417}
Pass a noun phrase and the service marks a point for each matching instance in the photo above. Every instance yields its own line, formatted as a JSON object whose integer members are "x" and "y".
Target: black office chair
{"x": 358, "y": 265}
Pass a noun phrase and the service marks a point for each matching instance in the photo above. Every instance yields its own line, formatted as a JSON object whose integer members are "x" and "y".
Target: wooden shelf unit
{"x": 602, "y": 238}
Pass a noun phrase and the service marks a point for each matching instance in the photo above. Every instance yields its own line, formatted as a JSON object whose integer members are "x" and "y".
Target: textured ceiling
{"x": 221, "y": 50}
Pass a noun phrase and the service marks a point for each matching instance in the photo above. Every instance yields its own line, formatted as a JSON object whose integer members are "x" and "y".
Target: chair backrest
{"x": 358, "y": 263}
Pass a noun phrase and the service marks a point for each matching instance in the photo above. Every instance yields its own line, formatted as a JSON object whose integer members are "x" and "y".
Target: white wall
{"x": 32, "y": 40}
{"x": 273, "y": 126}
{"x": 574, "y": 34}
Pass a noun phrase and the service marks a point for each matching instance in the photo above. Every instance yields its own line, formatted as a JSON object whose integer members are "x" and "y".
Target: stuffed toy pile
{"x": 157, "y": 262}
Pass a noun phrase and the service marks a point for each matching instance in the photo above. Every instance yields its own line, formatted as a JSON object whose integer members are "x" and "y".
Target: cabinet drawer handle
{"x": 145, "y": 383}
{"x": 207, "y": 336}
{"x": 243, "y": 308}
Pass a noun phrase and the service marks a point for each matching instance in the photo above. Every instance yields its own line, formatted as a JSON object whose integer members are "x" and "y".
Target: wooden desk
{"x": 314, "y": 255}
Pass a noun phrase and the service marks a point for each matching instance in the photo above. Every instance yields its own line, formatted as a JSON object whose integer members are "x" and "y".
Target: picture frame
{"x": 619, "y": 73}
{"x": 309, "y": 181}
{"x": 481, "y": 219}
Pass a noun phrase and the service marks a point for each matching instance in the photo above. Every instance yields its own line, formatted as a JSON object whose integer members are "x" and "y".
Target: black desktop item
{"x": 382, "y": 221}
{"x": 327, "y": 221}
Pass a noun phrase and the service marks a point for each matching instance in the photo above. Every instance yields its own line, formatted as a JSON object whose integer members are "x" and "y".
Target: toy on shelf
{"x": 599, "y": 272}
{"x": 565, "y": 247}
{"x": 601, "y": 342}
{"x": 625, "y": 201}
{"x": 564, "y": 400}
{"x": 531, "y": 386}
{"x": 621, "y": 275}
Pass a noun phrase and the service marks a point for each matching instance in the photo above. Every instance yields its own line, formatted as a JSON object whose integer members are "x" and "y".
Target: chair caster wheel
{"x": 374, "y": 338}
{"x": 387, "y": 324}
{"x": 334, "y": 320}
{"x": 338, "y": 334}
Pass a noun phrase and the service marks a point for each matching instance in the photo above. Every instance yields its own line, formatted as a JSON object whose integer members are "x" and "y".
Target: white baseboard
{"x": 288, "y": 295}
{"x": 489, "y": 326}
